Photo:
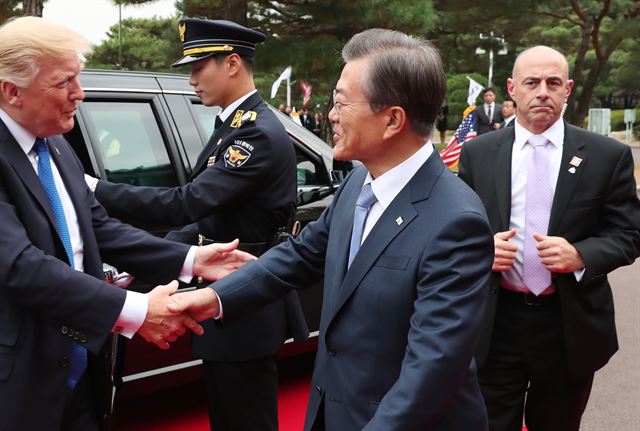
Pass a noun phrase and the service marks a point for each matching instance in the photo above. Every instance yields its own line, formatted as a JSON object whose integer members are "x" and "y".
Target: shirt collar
{"x": 555, "y": 134}
{"x": 387, "y": 186}
{"x": 24, "y": 138}
{"x": 229, "y": 109}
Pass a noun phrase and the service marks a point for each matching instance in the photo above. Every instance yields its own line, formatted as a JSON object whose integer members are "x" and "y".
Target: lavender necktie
{"x": 364, "y": 202}
{"x": 539, "y": 197}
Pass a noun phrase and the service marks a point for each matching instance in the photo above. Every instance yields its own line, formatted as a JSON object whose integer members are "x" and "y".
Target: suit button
{"x": 331, "y": 350}
{"x": 76, "y": 335}
{"x": 319, "y": 389}
{"x": 64, "y": 330}
{"x": 64, "y": 362}
{"x": 83, "y": 339}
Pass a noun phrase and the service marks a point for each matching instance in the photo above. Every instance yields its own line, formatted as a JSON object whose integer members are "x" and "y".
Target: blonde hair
{"x": 26, "y": 41}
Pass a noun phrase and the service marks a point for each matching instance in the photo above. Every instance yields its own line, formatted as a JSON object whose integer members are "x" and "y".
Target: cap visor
{"x": 190, "y": 59}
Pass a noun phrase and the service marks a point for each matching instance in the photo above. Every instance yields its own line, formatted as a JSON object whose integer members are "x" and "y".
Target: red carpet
{"x": 184, "y": 409}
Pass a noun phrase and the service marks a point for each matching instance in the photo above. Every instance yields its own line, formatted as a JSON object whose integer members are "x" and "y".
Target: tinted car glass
{"x": 132, "y": 146}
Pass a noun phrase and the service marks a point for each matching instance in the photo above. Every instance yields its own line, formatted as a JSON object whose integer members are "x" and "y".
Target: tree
{"x": 32, "y": 7}
{"x": 589, "y": 32}
{"x": 147, "y": 44}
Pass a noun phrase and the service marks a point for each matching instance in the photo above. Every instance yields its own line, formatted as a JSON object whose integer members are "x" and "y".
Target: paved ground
{"x": 615, "y": 399}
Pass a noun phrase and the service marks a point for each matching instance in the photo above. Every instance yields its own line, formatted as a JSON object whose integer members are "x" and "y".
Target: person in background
{"x": 564, "y": 211}
{"x": 56, "y": 310}
{"x": 441, "y": 121}
{"x": 508, "y": 112}
{"x": 307, "y": 119}
{"x": 243, "y": 186}
{"x": 319, "y": 121}
{"x": 489, "y": 114}
{"x": 405, "y": 249}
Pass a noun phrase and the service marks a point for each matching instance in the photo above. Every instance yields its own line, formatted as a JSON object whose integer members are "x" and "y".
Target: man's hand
{"x": 214, "y": 261}
{"x": 557, "y": 255}
{"x": 201, "y": 304}
{"x": 505, "y": 252}
{"x": 162, "y": 326}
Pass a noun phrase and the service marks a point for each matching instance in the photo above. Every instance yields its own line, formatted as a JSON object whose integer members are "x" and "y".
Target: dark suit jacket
{"x": 596, "y": 209}
{"x": 44, "y": 305}
{"x": 248, "y": 201}
{"x": 483, "y": 123}
{"x": 308, "y": 121}
{"x": 399, "y": 327}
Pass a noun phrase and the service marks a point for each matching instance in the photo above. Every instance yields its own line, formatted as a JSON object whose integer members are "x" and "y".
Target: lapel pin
{"x": 57, "y": 150}
{"x": 211, "y": 161}
{"x": 575, "y": 161}
{"x": 399, "y": 221}
{"x": 219, "y": 140}
{"x": 572, "y": 170}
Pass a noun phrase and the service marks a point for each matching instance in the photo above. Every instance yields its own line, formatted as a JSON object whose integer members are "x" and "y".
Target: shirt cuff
{"x": 186, "y": 274}
{"x": 132, "y": 315}
{"x": 578, "y": 274}
{"x": 92, "y": 182}
{"x": 221, "y": 313}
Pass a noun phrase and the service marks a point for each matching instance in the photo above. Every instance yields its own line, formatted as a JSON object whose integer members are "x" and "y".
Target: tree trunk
{"x": 234, "y": 10}
{"x": 32, "y": 7}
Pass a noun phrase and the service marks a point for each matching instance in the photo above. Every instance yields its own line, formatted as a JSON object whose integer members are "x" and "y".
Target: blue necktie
{"x": 364, "y": 202}
{"x": 78, "y": 353}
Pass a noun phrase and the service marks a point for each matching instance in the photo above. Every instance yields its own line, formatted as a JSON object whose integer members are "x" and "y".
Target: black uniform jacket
{"x": 243, "y": 185}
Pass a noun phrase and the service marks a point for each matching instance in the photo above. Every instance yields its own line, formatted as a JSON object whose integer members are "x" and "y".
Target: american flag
{"x": 466, "y": 130}
{"x": 306, "y": 90}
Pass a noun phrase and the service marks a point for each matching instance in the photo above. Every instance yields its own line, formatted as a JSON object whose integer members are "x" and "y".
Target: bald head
{"x": 541, "y": 50}
{"x": 540, "y": 85}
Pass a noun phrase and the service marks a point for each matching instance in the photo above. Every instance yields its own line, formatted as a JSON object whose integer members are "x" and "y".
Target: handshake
{"x": 170, "y": 314}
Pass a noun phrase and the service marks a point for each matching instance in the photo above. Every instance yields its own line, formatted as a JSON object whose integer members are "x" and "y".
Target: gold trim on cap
{"x": 207, "y": 49}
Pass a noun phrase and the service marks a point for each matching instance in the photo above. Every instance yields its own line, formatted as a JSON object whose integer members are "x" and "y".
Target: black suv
{"x": 148, "y": 129}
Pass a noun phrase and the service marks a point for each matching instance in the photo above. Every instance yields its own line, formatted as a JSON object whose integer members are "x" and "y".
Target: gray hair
{"x": 26, "y": 41}
{"x": 403, "y": 71}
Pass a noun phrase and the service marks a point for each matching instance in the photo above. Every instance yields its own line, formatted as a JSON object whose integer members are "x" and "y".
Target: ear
{"x": 569, "y": 87}
{"x": 511, "y": 88}
{"x": 396, "y": 119}
{"x": 235, "y": 64}
{"x": 10, "y": 93}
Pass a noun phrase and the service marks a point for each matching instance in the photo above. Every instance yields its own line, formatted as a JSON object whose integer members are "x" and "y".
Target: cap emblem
{"x": 182, "y": 28}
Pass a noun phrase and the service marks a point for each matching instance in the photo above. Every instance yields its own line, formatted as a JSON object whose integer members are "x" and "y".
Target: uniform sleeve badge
{"x": 237, "y": 154}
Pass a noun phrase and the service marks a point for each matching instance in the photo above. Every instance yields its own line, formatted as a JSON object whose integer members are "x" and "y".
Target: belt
{"x": 527, "y": 298}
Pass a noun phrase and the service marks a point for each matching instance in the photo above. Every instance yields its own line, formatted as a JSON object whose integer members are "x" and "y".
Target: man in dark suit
{"x": 508, "y": 112}
{"x": 563, "y": 207}
{"x": 307, "y": 120}
{"x": 489, "y": 113}
{"x": 56, "y": 311}
{"x": 405, "y": 250}
{"x": 243, "y": 186}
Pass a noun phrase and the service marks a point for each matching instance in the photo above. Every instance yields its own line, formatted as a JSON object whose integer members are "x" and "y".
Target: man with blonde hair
{"x": 55, "y": 311}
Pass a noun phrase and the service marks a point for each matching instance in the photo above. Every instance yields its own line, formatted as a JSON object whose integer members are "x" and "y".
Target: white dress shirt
{"x": 493, "y": 110}
{"x": 232, "y": 107}
{"x": 387, "y": 186}
{"x": 135, "y": 307}
{"x": 521, "y": 154}
{"x": 509, "y": 120}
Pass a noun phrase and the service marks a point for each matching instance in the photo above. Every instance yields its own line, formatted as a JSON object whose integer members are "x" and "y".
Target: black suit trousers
{"x": 526, "y": 372}
{"x": 242, "y": 395}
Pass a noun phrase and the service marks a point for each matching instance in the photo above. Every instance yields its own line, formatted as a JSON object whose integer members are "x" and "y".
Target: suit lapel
{"x": 20, "y": 162}
{"x": 502, "y": 177}
{"x": 221, "y": 132}
{"x": 567, "y": 180}
{"x": 398, "y": 215}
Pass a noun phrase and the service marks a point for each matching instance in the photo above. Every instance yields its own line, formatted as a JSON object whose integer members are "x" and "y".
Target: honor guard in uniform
{"x": 243, "y": 186}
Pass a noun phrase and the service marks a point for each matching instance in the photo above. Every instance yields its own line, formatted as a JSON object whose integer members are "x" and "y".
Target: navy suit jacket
{"x": 595, "y": 208}
{"x": 44, "y": 305}
{"x": 399, "y": 327}
{"x": 484, "y": 125}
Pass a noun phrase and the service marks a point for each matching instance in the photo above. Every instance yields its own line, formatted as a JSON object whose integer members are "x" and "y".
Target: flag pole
{"x": 288, "y": 91}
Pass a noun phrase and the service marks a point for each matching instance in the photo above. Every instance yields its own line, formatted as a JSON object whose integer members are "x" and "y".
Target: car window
{"x": 206, "y": 117}
{"x": 133, "y": 148}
